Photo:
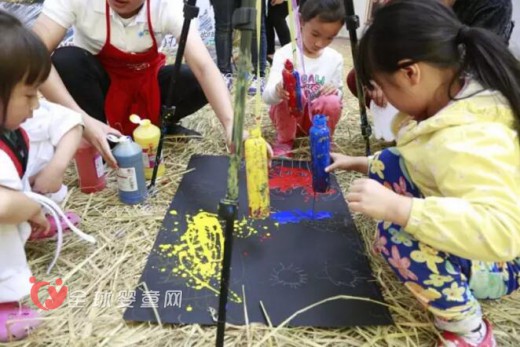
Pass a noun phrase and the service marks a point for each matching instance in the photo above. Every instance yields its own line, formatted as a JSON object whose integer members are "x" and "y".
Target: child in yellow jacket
{"x": 447, "y": 197}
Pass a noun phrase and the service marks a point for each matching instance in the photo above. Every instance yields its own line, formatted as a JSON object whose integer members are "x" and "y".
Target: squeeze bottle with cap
{"x": 319, "y": 136}
{"x": 130, "y": 174}
{"x": 257, "y": 175}
{"x": 147, "y": 136}
{"x": 90, "y": 168}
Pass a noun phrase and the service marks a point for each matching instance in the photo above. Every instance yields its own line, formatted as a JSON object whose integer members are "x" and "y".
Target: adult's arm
{"x": 52, "y": 33}
{"x": 212, "y": 83}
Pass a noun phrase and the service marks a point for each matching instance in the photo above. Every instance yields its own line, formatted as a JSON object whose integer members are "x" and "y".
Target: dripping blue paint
{"x": 297, "y": 216}
{"x": 320, "y": 153}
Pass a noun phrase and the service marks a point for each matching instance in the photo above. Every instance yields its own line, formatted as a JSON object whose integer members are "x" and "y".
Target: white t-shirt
{"x": 14, "y": 269}
{"x": 326, "y": 69}
{"x": 50, "y": 122}
{"x": 87, "y": 17}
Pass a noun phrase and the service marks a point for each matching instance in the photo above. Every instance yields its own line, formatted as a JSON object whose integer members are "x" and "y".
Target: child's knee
{"x": 329, "y": 105}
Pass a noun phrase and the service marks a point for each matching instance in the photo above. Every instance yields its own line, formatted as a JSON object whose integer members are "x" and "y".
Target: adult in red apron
{"x": 134, "y": 87}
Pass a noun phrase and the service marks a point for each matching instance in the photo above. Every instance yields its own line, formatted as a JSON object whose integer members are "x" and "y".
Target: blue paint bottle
{"x": 130, "y": 174}
{"x": 319, "y": 136}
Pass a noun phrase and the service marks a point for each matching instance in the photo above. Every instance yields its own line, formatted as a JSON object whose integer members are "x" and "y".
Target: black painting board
{"x": 286, "y": 266}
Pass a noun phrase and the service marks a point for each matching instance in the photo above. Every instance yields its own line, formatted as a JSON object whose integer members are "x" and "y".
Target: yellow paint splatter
{"x": 189, "y": 308}
{"x": 173, "y": 212}
{"x": 199, "y": 253}
{"x": 244, "y": 229}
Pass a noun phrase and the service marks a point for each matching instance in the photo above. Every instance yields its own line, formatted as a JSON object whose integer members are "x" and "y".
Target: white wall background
{"x": 360, "y": 7}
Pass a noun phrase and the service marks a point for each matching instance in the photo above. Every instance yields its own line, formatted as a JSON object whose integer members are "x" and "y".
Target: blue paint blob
{"x": 297, "y": 216}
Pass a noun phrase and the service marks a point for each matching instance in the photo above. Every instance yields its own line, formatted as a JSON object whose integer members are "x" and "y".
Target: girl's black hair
{"x": 327, "y": 11}
{"x": 23, "y": 58}
{"x": 428, "y": 31}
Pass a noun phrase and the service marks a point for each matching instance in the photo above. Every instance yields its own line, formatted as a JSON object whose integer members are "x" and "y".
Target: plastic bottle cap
{"x": 145, "y": 122}
{"x": 135, "y": 119}
{"x": 255, "y": 133}
{"x": 319, "y": 119}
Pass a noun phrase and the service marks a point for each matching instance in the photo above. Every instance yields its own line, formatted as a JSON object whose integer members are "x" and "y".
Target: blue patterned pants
{"x": 445, "y": 284}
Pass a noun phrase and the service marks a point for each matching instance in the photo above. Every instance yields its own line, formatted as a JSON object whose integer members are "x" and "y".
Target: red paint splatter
{"x": 245, "y": 254}
{"x": 286, "y": 179}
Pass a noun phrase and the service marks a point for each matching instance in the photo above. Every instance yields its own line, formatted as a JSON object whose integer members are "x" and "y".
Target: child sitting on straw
{"x": 320, "y": 75}
{"x": 24, "y": 65}
{"x": 447, "y": 198}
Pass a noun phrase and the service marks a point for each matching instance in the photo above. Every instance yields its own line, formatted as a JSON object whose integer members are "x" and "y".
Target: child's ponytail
{"x": 489, "y": 61}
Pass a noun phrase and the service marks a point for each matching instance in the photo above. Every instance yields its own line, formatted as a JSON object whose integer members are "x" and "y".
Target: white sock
{"x": 476, "y": 336}
{"x": 472, "y": 330}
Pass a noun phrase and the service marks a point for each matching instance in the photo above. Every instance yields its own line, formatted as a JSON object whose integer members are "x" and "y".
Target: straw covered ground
{"x": 125, "y": 237}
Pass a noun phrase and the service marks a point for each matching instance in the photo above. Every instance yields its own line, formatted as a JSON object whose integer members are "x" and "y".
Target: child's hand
{"x": 48, "y": 180}
{"x": 375, "y": 200}
{"x": 95, "y": 132}
{"x": 328, "y": 89}
{"x": 377, "y": 95}
{"x": 341, "y": 161}
{"x": 39, "y": 222}
{"x": 281, "y": 92}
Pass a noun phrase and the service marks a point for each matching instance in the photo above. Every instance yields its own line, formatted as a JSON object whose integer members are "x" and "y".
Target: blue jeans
{"x": 223, "y": 10}
{"x": 263, "y": 47}
{"x": 445, "y": 284}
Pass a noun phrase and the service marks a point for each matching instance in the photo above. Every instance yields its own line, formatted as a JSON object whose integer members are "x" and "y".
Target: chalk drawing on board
{"x": 288, "y": 276}
{"x": 340, "y": 275}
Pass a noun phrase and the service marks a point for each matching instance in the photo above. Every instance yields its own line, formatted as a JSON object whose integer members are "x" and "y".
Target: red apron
{"x": 134, "y": 87}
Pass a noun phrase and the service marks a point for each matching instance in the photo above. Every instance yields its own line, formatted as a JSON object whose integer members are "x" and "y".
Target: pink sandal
{"x": 53, "y": 231}
{"x": 16, "y": 321}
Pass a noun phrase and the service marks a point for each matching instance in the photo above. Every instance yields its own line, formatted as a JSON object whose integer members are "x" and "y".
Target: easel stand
{"x": 352, "y": 24}
{"x": 168, "y": 109}
{"x": 243, "y": 20}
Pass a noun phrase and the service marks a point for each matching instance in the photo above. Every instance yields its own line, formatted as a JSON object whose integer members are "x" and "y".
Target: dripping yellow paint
{"x": 257, "y": 175}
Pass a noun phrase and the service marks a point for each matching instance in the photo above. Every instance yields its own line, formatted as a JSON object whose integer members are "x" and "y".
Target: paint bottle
{"x": 319, "y": 136}
{"x": 130, "y": 174}
{"x": 290, "y": 85}
{"x": 257, "y": 175}
{"x": 147, "y": 136}
{"x": 90, "y": 168}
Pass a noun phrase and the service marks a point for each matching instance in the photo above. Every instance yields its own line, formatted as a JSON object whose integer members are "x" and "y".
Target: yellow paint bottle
{"x": 257, "y": 175}
{"x": 147, "y": 135}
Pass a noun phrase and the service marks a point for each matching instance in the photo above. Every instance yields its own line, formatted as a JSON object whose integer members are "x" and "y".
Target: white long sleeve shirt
{"x": 326, "y": 69}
